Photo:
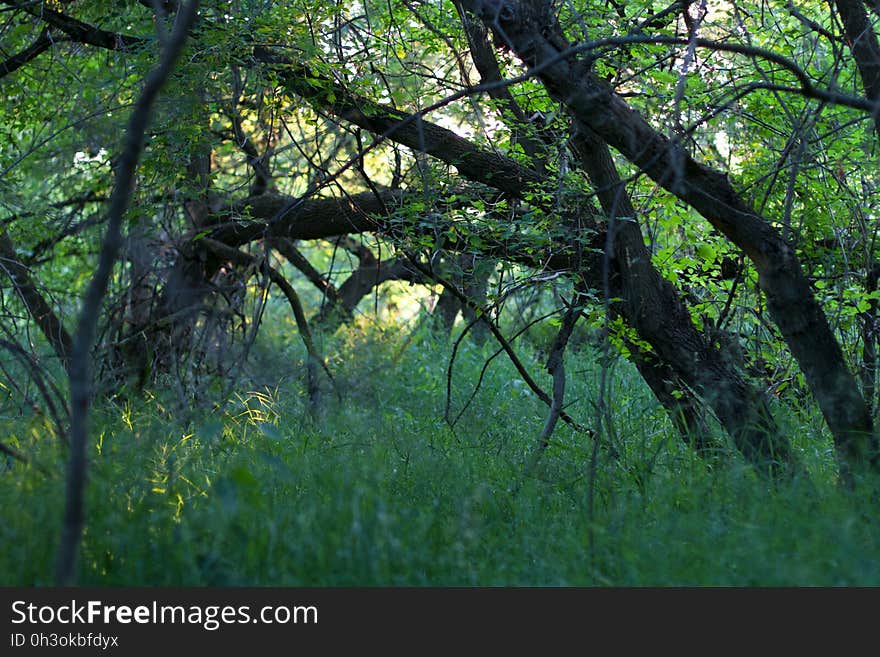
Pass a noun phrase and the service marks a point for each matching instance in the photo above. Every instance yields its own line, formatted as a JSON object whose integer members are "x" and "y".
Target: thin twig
{"x": 84, "y": 338}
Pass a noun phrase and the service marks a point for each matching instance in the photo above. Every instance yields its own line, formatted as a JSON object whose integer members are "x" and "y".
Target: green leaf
{"x": 706, "y": 251}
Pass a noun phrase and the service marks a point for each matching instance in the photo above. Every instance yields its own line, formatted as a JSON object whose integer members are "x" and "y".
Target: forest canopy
{"x": 202, "y": 198}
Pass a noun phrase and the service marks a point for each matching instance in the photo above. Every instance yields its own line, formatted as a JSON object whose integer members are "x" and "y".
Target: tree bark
{"x": 38, "y": 308}
{"x": 652, "y": 306}
{"x": 38, "y": 47}
{"x": 680, "y": 403}
{"x": 789, "y": 297}
{"x": 302, "y": 219}
{"x": 865, "y": 49}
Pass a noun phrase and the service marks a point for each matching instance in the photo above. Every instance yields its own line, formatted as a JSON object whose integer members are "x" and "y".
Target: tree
{"x": 703, "y": 183}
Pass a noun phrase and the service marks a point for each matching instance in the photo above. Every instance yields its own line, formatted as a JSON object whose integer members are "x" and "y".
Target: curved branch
{"x": 556, "y": 369}
{"x": 511, "y": 354}
{"x": 84, "y": 339}
{"x": 287, "y": 249}
{"x": 242, "y": 258}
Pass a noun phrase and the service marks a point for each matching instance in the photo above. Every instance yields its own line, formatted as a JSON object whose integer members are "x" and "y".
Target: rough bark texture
{"x": 865, "y": 49}
{"x": 486, "y": 63}
{"x": 326, "y": 224}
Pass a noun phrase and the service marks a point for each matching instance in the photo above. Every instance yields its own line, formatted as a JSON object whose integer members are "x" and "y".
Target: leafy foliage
{"x": 332, "y": 148}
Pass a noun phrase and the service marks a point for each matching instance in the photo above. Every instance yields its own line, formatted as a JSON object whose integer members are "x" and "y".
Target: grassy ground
{"x": 379, "y": 490}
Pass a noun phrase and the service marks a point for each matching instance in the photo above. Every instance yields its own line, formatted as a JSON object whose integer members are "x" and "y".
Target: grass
{"x": 380, "y": 491}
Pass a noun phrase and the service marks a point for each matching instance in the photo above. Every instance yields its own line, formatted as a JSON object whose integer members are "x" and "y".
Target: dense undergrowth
{"x": 377, "y": 489}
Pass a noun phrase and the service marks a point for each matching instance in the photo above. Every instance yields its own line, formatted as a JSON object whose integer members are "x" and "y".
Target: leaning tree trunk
{"x": 535, "y": 38}
{"x": 38, "y": 308}
{"x": 668, "y": 386}
{"x": 653, "y": 307}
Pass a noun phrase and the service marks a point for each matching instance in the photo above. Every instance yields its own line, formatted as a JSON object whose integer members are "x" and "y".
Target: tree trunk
{"x": 862, "y": 41}
{"x": 683, "y": 408}
{"x": 652, "y": 306}
{"x": 789, "y": 298}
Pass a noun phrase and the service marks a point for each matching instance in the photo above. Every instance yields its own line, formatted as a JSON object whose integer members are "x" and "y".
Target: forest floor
{"x": 378, "y": 489}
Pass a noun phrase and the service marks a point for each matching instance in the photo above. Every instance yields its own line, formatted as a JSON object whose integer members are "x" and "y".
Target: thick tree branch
{"x": 644, "y": 288}
{"x": 325, "y": 218}
{"x": 368, "y": 276}
{"x": 413, "y": 131}
{"x": 789, "y": 296}
{"x": 41, "y": 45}
{"x": 78, "y": 30}
{"x": 38, "y": 308}
{"x": 865, "y": 49}
{"x": 302, "y": 219}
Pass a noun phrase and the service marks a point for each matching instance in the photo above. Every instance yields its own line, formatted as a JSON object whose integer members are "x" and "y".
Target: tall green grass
{"x": 378, "y": 490}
